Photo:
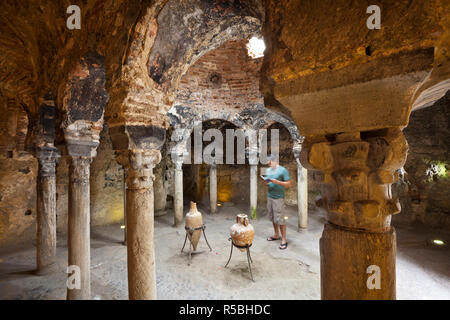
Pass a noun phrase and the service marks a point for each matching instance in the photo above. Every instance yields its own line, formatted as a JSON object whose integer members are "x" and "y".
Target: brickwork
{"x": 13, "y": 128}
{"x": 225, "y": 78}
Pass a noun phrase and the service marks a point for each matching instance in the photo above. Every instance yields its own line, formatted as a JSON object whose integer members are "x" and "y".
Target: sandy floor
{"x": 423, "y": 269}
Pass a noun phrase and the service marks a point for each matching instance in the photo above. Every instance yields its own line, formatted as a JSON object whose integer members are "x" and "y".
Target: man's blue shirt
{"x": 281, "y": 174}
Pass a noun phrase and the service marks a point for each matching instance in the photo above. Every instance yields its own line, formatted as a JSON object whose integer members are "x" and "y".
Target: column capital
{"x": 178, "y": 154}
{"x": 47, "y": 157}
{"x": 139, "y": 164}
{"x": 178, "y": 151}
{"x": 178, "y": 165}
{"x": 359, "y": 169}
{"x": 83, "y": 137}
{"x": 297, "y": 149}
{"x": 80, "y": 169}
{"x": 85, "y": 149}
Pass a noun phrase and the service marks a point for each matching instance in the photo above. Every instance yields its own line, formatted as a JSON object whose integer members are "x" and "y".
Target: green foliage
{"x": 253, "y": 213}
{"x": 436, "y": 169}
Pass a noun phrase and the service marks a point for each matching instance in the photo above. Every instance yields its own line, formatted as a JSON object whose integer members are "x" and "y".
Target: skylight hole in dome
{"x": 256, "y": 48}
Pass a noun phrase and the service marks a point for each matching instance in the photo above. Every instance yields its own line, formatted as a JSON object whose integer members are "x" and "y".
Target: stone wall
{"x": 18, "y": 198}
{"x": 18, "y": 192}
{"x": 424, "y": 191}
{"x": 13, "y": 127}
{"x": 18, "y": 173}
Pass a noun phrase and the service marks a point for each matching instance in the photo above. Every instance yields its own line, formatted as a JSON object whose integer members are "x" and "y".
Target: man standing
{"x": 277, "y": 179}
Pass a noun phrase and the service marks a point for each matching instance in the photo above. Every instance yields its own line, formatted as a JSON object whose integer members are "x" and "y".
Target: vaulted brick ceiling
{"x": 149, "y": 44}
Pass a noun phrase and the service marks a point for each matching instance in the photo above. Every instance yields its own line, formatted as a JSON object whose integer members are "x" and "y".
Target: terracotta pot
{"x": 242, "y": 232}
{"x": 194, "y": 220}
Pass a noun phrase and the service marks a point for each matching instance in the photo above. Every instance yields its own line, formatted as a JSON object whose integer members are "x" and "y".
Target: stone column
{"x": 125, "y": 207}
{"x": 253, "y": 160}
{"x": 11, "y": 115}
{"x": 140, "y": 221}
{"x": 358, "y": 244}
{"x": 253, "y": 187}
{"x": 213, "y": 188}
{"x": 83, "y": 97}
{"x": 178, "y": 200}
{"x": 46, "y": 210}
{"x": 302, "y": 196}
{"x": 79, "y": 225}
{"x": 82, "y": 140}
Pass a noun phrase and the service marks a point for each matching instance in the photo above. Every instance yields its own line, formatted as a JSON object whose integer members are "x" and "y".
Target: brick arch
{"x": 184, "y": 120}
{"x": 267, "y": 117}
{"x": 162, "y": 46}
{"x": 189, "y": 29}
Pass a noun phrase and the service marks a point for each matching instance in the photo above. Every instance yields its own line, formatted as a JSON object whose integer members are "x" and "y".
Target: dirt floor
{"x": 423, "y": 269}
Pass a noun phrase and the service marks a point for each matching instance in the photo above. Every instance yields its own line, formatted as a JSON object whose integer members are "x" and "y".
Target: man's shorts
{"x": 276, "y": 210}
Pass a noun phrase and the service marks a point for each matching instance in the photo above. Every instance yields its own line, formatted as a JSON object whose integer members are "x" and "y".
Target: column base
{"x": 346, "y": 255}
{"x": 43, "y": 271}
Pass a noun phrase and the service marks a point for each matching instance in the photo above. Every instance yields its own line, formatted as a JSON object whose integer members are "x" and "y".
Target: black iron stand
{"x": 191, "y": 231}
{"x": 249, "y": 257}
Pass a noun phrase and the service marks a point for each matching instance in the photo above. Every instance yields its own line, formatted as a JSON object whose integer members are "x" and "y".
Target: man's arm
{"x": 286, "y": 180}
{"x": 286, "y": 184}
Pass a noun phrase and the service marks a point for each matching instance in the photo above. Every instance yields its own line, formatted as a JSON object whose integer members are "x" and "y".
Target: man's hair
{"x": 272, "y": 157}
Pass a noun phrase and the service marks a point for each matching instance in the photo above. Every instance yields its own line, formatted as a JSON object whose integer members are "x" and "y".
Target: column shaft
{"x": 79, "y": 225}
{"x": 347, "y": 273}
{"x": 213, "y": 188}
{"x": 253, "y": 187}
{"x": 125, "y": 206}
{"x": 140, "y": 246}
{"x": 140, "y": 222}
{"x": 178, "y": 200}
{"x": 302, "y": 196}
{"x": 46, "y": 212}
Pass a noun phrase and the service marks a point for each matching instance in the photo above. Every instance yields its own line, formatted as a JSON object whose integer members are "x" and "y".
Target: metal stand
{"x": 191, "y": 231}
{"x": 249, "y": 257}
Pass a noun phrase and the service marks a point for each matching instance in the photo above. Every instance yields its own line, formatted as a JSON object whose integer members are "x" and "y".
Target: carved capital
{"x": 359, "y": 169}
{"x": 80, "y": 169}
{"x": 297, "y": 148}
{"x": 179, "y": 165}
{"x": 178, "y": 153}
{"x": 83, "y": 137}
{"x": 139, "y": 165}
{"x": 47, "y": 157}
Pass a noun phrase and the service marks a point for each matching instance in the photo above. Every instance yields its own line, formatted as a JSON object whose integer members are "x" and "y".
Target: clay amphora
{"x": 194, "y": 220}
{"x": 242, "y": 232}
